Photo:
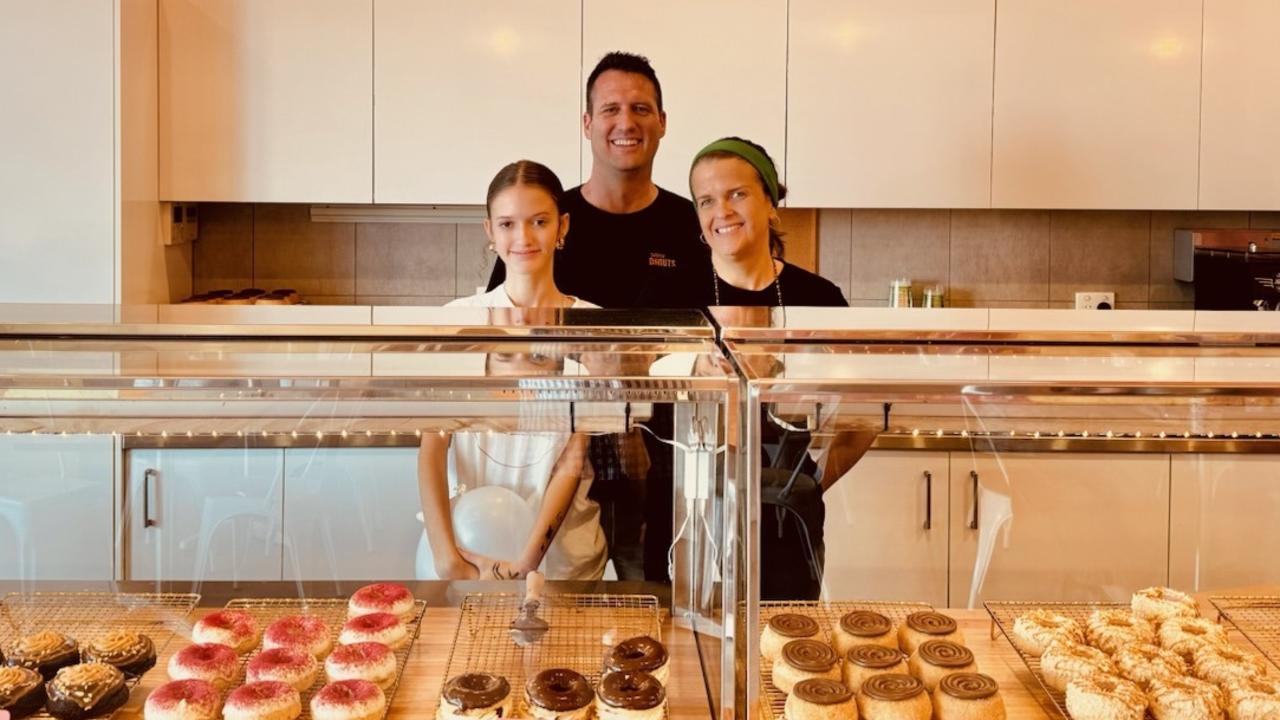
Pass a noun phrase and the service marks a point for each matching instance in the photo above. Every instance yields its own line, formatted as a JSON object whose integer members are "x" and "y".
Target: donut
{"x": 559, "y": 694}
{"x": 935, "y": 659}
{"x": 967, "y": 696}
{"x": 263, "y": 701}
{"x": 46, "y": 652}
{"x": 382, "y": 597}
{"x": 293, "y": 666}
{"x": 861, "y": 627}
{"x": 1158, "y": 604}
{"x": 863, "y": 661}
{"x": 921, "y": 626}
{"x": 304, "y": 632}
{"x": 362, "y": 661}
{"x": 216, "y": 664}
{"x": 1224, "y": 664}
{"x": 349, "y": 700}
{"x": 1110, "y": 630}
{"x": 1105, "y": 697}
{"x": 1254, "y": 699}
{"x": 1185, "y": 635}
{"x": 21, "y": 691}
{"x": 893, "y": 696}
{"x": 85, "y": 690}
{"x": 782, "y": 629}
{"x": 820, "y": 699}
{"x": 1141, "y": 664}
{"x": 183, "y": 700}
{"x": 1185, "y": 699}
{"x": 132, "y": 652}
{"x": 804, "y": 659}
{"x": 641, "y": 653}
{"x": 234, "y": 628}
{"x": 1034, "y": 630}
{"x": 375, "y": 627}
{"x": 630, "y": 695}
{"x": 475, "y": 695}
{"x": 1065, "y": 661}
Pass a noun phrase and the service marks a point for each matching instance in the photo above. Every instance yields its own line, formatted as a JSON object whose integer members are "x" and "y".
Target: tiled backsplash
{"x": 984, "y": 258}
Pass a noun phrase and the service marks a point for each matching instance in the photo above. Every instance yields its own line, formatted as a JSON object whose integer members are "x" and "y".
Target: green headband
{"x": 754, "y": 157}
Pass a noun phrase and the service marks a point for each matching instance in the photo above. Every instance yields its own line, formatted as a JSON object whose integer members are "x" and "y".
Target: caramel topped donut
{"x": 793, "y": 625}
{"x": 865, "y": 624}
{"x": 85, "y": 684}
{"x": 472, "y": 691}
{"x": 968, "y": 686}
{"x": 945, "y": 653}
{"x": 1144, "y": 663}
{"x": 1186, "y": 635}
{"x": 1110, "y": 630}
{"x": 809, "y": 656}
{"x": 1254, "y": 699}
{"x": 1035, "y": 630}
{"x": 1105, "y": 697}
{"x": 637, "y": 653}
{"x": 1176, "y": 698}
{"x": 559, "y": 690}
{"x": 931, "y": 623}
{"x": 183, "y": 700}
{"x": 21, "y": 691}
{"x": 873, "y": 656}
{"x": 1223, "y": 664}
{"x": 1160, "y": 603}
{"x": 631, "y": 690}
{"x": 821, "y": 691}
{"x": 132, "y": 652}
{"x": 45, "y": 652}
{"x": 1065, "y": 661}
{"x": 892, "y": 687}
{"x": 382, "y": 597}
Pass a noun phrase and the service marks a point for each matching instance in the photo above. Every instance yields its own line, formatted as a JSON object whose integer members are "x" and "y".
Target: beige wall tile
{"x": 865, "y": 302}
{"x": 1005, "y": 304}
{"x": 330, "y": 300}
{"x": 316, "y": 259}
{"x": 1163, "y": 287}
{"x": 403, "y": 299}
{"x": 223, "y": 256}
{"x": 1100, "y": 250}
{"x": 800, "y": 236}
{"x": 406, "y": 259}
{"x": 888, "y": 244}
{"x": 475, "y": 262}
{"x": 1265, "y": 220}
{"x": 834, "y": 245}
{"x": 999, "y": 255}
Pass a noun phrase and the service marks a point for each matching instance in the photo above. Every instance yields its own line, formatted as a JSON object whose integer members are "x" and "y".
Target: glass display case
{"x": 985, "y": 473}
{"x": 241, "y": 463}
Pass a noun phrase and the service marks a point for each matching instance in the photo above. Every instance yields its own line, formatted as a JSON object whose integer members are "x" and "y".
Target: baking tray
{"x": 582, "y": 628}
{"x": 1257, "y": 617}
{"x": 334, "y": 613}
{"x": 87, "y": 616}
{"x": 827, "y": 614}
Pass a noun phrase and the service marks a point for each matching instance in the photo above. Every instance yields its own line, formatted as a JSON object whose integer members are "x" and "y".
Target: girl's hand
{"x": 490, "y": 569}
{"x": 457, "y": 568}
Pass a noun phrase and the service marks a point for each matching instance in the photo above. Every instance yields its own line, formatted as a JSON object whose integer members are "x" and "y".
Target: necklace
{"x": 777, "y": 282}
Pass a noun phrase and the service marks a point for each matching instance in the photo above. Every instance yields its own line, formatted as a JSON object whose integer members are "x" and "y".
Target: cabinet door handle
{"x": 147, "y": 476}
{"x": 928, "y": 500}
{"x": 973, "y": 522}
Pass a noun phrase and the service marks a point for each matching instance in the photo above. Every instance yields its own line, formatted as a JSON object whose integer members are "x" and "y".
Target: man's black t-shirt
{"x": 609, "y": 259}
{"x": 800, "y": 288}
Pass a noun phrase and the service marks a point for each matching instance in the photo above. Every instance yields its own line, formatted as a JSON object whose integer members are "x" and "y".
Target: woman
{"x": 545, "y": 464}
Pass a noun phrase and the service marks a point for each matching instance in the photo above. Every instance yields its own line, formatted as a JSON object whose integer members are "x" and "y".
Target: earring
{"x": 702, "y": 238}
{"x": 560, "y": 244}
{"x": 492, "y": 249}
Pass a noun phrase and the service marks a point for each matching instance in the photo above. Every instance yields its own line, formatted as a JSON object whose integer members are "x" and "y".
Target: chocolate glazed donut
{"x": 873, "y": 656}
{"x": 968, "y": 686}
{"x": 821, "y": 691}
{"x": 794, "y": 625}
{"x": 631, "y": 690}
{"x": 944, "y": 653}
{"x": 931, "y": 623}
{"x": 809, "y": 656}
{"x": 559, "y": 690}
{"x": 864, "y": 623}
{"x": 892, "y": 687}
{"x": 638, "y": 653}
{"x": 472, "y": 691}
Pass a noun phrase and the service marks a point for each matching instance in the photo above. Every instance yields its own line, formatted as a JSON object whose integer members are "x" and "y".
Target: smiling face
{"x": 624, "y": 124}
{"x": 733, "y": 207}
{"x": 525, "y": 226}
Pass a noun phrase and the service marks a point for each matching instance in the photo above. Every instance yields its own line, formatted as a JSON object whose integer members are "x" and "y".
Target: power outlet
{"x": 1095, "y": 300}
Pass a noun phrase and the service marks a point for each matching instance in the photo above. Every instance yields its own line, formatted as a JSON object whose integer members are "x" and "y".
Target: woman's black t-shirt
{"x": 800, "y": 288}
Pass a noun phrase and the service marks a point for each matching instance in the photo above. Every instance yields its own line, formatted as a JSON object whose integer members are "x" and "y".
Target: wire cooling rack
{"x": 88, "y": 616}
{"x": 1257, "y": 617}
{"x": 828, "y": 615}
{"x": 334, "y": 614}
{"x": 582, "y": 629}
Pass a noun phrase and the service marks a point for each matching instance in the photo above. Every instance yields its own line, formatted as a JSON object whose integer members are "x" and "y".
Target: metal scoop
{"x": 528, "y": 628}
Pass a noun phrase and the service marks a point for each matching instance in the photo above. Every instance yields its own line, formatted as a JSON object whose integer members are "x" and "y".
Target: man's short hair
{"x": 624, "y": 62}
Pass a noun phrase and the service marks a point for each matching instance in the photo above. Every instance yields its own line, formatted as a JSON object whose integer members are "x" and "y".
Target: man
{"x": 625, "y": 234}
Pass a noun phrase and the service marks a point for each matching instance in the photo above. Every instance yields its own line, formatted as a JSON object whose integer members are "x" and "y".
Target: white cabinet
{"x": 461, "y": 92}
{"x": 889, "y": 103}
{"x": 1239, "y": 135}
{"x": 204, "y": 514}
{"x": 55, "y": 508}
{"x": 351, "y": 514}
{"x": 57, "y": 152}
{"x": 1057, "y": 526}
{"x": 266, "y": 100}
{"x": 886, "y": 529}
{"x": 722, "y": 65}
{"x": 1223, "y": 521}
{"x": 1097, "y": 104}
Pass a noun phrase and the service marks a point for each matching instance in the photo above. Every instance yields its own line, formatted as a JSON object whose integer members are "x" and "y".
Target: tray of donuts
{"x": 285, "y": 659}
{"x": 1155, "y": 656}
{"x": 78, "y": 655}
{"x": 874, "y": 660}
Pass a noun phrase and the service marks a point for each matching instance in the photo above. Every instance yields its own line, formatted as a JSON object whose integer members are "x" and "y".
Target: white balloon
{"x": 490, "y": 520}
